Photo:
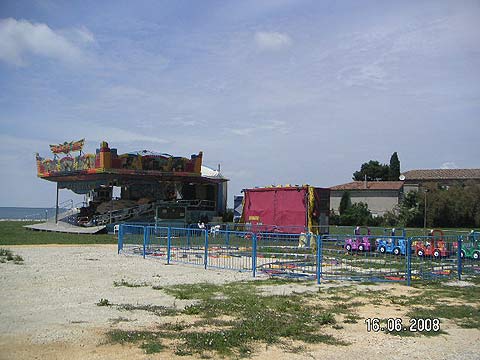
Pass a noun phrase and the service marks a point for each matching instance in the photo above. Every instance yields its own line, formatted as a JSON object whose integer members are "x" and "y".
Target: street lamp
{"x": 425, "y": 213}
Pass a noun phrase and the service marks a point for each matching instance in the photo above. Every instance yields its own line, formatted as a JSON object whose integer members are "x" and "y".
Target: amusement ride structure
{"x": 153, "y": 186}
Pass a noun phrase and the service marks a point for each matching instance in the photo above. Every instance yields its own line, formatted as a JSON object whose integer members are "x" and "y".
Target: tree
{"x": 228, "y": 216}
{"x": 345, "y": 203}
{"x": 457, "y": 206}
{"x": 394, "y": 169}
{"x": 411, "y": 210}
{"x": 373, "y": 170}
{"x": 357, "y": 214}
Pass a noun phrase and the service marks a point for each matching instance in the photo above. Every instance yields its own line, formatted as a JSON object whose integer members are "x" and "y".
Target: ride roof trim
{"x": 106, "y": 165}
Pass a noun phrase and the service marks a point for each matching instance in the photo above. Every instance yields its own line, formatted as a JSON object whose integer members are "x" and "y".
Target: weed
{"x": 104, "y": 302}
{"x": 351, "y": 318}
{"x": 402, "y": 333}
{"x": 296, "y": 349}
{"x": 5, "y": 252}
{"x": 174, "y": 326}
{"x": 320, "y": 338}
{"x": 125, "y": 283}
{"x": 152, "y": 347}
{"x": 8, "y": 255}
{"x": 326, "y": 318}
{"x": 214, "y": 322}
{"x": 126, "y": 336}
{"x": 191, "y": 310}
{"x": 345, "y": 307}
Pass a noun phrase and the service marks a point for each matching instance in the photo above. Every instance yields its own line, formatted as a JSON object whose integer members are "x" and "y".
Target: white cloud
{"x": 84, "y": 35}
{"x": 242, "y": 132}
{"x": 449, "y": 165}
{"x": 19, "y": 38}
{"x": 276, "y": 125}
{"x": 279, "y": 126}
{"x": 373, "y": 75}
{"x": 272, "y": 40}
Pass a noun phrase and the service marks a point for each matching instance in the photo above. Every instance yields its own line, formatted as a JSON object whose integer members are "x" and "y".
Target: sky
{"x": 277, "y": 92}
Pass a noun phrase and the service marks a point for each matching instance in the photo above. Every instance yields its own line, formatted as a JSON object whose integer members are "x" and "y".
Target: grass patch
{"x": 437, "y": 300}
{"x": 154, "y": 309}
{"x": 229, "y": 319}
{"x": 202, "y": 291}
{"x": 465, "y": 316}
{"x": 152, "y": 347}
{"x": 13, "y": 233}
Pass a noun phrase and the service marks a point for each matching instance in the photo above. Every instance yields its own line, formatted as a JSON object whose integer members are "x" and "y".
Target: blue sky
{"x": 276, "y": 92}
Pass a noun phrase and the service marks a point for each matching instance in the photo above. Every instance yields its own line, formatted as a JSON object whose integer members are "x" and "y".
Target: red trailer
{"x": 289, "y": 209}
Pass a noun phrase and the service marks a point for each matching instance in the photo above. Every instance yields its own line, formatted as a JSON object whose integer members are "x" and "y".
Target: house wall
{"x": 410, "y": 187}
{"x": 378, "y": 201}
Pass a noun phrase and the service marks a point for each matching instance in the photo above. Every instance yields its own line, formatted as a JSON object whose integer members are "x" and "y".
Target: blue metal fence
{"x": 339, "y": 257}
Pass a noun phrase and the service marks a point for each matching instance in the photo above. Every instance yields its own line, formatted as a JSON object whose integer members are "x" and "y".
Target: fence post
{"x": 227, "y": 236}
{"x": 120, "y": 238}
{"x": 188, "y": 235}
{"x": 145, "y": 235}
{"x": 319, "y": 259}
{"x": 459, "y": 256}
{"x": 409, "y": 261}
{"x": 205, "y": 260}
{"x": 169, "y": 243}
{"x": 254, "y": 254}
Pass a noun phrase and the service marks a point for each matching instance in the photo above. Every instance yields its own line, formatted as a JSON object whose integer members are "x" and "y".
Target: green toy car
{"x": 471, "y": 247}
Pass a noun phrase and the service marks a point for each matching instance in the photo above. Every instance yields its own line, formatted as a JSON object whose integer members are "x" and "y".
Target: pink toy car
{"x": 358, "y": 242}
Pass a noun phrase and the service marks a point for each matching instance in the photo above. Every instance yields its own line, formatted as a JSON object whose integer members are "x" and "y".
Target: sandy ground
{"x": 48, "y": 309}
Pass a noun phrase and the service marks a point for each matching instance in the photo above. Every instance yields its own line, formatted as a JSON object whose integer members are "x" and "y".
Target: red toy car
{"x": 434, "y": 245}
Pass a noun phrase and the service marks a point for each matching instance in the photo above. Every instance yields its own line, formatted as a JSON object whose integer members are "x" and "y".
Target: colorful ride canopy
{"x": 106, "y": 160}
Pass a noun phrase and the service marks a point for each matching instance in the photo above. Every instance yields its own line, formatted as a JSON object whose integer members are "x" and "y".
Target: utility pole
{"x": 56, "y": 207}
{"x": 425, "y": 214}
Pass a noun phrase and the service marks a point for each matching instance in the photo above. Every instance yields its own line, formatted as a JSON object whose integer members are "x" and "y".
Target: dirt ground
{"x": 48, "y": 310}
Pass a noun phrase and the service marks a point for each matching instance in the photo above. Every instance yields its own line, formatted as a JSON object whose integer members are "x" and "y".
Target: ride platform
{"x": 64, "y": 227}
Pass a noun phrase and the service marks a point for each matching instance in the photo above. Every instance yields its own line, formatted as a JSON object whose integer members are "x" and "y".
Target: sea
{"x": 26, "y": 213}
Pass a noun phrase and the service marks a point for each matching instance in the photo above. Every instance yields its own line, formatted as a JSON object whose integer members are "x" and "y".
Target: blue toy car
{"x": 392, "y": 244}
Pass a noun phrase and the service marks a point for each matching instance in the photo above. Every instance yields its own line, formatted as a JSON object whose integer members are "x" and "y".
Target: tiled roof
{"x": 442, "y": 174}
{"x": 371, "y": 185}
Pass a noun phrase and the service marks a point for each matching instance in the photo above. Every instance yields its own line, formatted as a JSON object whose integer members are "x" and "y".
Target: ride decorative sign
{"x": 67, "y": 147}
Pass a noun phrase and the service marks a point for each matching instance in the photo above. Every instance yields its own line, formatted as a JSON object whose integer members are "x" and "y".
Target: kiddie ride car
{"x": 434, "y": 245}
{"x": 396, "y": 245}
{"x": 471, "y": 247}
{"x": 358, "y": 242}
